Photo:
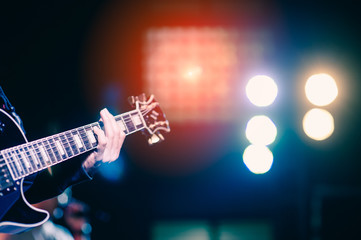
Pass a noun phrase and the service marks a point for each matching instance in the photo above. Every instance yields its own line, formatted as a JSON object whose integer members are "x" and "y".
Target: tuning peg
{"x": 142, "y": 97}
{"x": 131, "y": 101}
{"x": 160, "y": 136}
{"x": 155, "y": 138}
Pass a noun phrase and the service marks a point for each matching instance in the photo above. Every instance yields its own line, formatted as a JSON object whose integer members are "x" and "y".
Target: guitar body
{"x": 16, "y": 214}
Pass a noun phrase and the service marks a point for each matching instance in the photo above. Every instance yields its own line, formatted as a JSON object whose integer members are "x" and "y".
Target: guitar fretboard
{"x": 31, "y": 157}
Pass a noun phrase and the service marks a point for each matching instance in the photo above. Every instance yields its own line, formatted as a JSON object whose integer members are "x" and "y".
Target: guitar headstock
{"x": 153, "y": 117}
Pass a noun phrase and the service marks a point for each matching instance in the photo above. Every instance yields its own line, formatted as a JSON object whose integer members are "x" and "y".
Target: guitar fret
{"x": 13, "y": 164}
{"x": 60, "y": 147}
{"x": 23, "y": 160}
{"x": 71, "y": 142}
{"x": 129, "y": 123}
{"x": 54, "y": 149}
{"x": 123, "y": 127}
{"x": 49, "y": 151}
{"x": 66, "y": 145}
{"x": 84, "y": 137}
{"x": 136, "y": 120}
{"x": 44, "y": 156}
{"x": 38, "y": 155}
{"x": 34, "y": 156}
{"x": 18, "y": 163}
{"x": 23, "y": 156}
{"x": 78, "y": 141}
{"x": 91, "y": 137}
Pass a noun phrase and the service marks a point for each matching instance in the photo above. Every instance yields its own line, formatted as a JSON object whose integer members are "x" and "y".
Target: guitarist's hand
{"x": 110, "y": 142}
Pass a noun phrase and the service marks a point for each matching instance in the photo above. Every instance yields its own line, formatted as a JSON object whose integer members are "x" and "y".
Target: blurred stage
{"x": 60, "y": 63}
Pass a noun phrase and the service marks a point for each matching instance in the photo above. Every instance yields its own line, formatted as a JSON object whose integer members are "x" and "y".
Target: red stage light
{"x": 194, "y": 72}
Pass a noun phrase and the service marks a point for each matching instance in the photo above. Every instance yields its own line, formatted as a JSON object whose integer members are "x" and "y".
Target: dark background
{"x": 53, "y": 68}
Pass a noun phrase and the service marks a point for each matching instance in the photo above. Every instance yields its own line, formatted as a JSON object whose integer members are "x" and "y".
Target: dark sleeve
{"x": 48, "y": 184}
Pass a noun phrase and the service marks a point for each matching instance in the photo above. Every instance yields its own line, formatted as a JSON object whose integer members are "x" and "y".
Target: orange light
{"x": 196, "y": 71}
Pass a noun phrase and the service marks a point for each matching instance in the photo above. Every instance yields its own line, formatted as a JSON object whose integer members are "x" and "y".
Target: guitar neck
{"x": 31, "y": 157}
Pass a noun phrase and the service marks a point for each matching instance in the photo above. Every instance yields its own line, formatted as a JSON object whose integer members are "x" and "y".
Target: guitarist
{"x": 48, "y": 184}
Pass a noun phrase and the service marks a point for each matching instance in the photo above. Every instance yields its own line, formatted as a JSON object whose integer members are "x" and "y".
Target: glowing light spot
{"x": 261, "y": 130}
{"x": 193, "y": 70}
{"x": 63, "y": 199}
{"x": 318, "y": 124}
{"x": 113, "y": 171}
{"x": 321, "y": 89}
{"x": 258, "y": 159}
{"x": 192, "y": 73}
{"x": 261, "y": 90}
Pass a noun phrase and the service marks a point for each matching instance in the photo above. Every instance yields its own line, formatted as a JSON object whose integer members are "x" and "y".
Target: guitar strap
{"x": 6, "y": 105}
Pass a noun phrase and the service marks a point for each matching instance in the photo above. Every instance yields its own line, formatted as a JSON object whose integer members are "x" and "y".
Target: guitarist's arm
{"x": 50, "y": 184}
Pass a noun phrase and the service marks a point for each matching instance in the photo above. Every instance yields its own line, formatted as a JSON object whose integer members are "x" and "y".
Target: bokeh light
{"x": 321, "y": 89}
{"x": 113, "y": 171}
{"x": 261, "y": 90}
{"x": 258, "y": 159}
{"x": 261, "y": 130}
{"x": 318, "y": 124}
{"x": 193, "y": 71}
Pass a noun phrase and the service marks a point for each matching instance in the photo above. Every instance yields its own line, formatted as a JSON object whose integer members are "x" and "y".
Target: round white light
{"x": 258, "y": 159}
{"x": 321, "y": 89}
{"x": 261, "y": 90}
{"x": 261, "y": 130}
{"x": 318, "y": 124}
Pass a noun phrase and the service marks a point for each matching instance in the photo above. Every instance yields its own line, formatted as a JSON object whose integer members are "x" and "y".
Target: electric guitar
{"x": 20, "y": 159}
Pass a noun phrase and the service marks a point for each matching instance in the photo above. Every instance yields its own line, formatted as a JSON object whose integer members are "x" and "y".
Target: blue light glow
{"x": 113, "y": 171}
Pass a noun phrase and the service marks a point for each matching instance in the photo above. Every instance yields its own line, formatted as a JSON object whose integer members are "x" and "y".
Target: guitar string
{"x": 54, "y": 150}
{"x": 48, "y": 146}
{"x": 37, "y": 152}
{"x": 43, "y": 141}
